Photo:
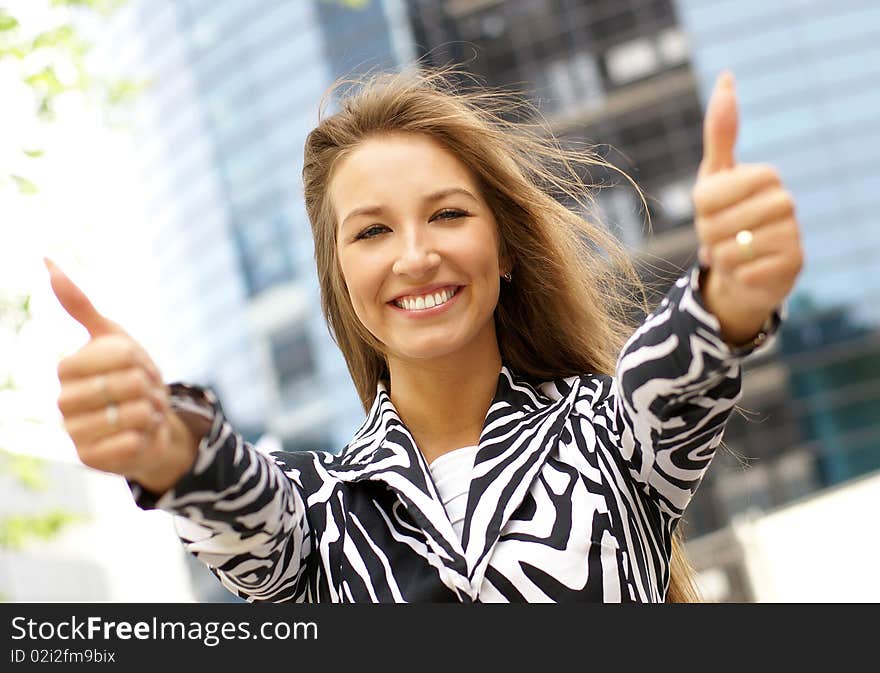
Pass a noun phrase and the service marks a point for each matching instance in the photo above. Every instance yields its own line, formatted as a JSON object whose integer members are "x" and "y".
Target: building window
{"x": 631, "y": 61}
{"x": 265, "y": 246}
{"x": 292, "y": 357}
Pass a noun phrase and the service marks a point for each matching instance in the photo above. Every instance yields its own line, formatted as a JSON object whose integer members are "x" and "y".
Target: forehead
{"x": 394, "y": 168}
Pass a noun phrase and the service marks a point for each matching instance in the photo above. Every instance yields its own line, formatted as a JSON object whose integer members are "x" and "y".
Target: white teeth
{"x": 426, "y": 301}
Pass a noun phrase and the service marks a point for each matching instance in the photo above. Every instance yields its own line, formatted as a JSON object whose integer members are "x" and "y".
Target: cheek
{"x": 363, "y": 286}
{"x": 480, "y": 253}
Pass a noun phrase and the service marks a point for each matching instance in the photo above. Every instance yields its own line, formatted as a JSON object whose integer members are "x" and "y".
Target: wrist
{"x": 180, "y": 457}
{"x": 739, "y": 326}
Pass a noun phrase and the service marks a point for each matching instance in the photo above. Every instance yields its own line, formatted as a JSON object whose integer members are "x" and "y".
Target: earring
{"x": 508, "y": 277}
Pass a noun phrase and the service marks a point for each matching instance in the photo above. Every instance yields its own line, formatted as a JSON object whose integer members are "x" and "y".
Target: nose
{"x": 418, "y": 258}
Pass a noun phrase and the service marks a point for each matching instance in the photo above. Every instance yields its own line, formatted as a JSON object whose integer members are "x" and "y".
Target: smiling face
{"x": 418, "y": 247}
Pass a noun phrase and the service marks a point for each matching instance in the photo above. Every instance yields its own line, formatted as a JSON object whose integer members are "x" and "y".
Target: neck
{"x": 443, "y": 402}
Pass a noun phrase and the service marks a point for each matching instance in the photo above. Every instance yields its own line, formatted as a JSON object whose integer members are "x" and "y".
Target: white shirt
{"x": 452, "y": 477}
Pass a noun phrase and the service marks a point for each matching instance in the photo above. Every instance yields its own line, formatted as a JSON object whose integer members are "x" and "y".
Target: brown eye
{"x": 371, "y": 231}
{"x": 449, "y": 214}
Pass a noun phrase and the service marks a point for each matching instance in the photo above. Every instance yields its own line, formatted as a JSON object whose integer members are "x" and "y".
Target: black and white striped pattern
{"x": 576, "y": 489}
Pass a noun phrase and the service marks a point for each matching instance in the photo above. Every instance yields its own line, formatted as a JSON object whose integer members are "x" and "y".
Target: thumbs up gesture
{"x": 745, "y": 221}
{"x": 115, "y": 406}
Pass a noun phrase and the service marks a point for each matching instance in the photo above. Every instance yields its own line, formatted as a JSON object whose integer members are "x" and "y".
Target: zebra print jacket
{"x": 576, "y": 489}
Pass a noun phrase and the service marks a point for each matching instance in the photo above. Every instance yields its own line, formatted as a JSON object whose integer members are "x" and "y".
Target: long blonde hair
{"x": 571, "y": 305}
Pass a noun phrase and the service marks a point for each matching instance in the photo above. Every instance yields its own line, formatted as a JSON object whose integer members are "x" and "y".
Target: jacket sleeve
{"x": 676, "y": 384}
{"x": 237, "y": 510}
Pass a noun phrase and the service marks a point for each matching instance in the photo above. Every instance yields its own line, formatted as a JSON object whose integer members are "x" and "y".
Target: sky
{"x": 88, "y": 217}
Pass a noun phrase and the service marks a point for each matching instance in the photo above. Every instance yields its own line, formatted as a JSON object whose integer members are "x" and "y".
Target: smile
{"x": 423, "y": 302}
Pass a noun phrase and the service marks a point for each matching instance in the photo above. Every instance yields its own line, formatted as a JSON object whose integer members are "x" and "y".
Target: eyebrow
{"x": 430, "y": 198}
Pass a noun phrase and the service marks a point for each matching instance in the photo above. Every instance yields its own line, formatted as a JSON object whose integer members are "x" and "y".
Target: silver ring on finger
{"x": 105, "y": 389}
{"x": 744, "y": 239}
{"x": 112, "y": 411}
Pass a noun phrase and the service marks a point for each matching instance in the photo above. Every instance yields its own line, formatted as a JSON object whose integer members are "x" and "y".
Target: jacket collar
{"x": 383, "y": 442}
{"x": 521, "y": 427}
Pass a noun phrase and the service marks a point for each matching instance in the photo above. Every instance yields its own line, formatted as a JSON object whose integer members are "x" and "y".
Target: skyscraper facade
{"x": 630, "y": 78}
{"x": 807, "y": 75}
{"x": 234, "y": 88}
{"x": 234, "y": 91}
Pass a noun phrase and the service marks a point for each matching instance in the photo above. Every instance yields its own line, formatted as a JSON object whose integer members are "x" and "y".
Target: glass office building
{"x": 604, "y": 72}
{"x": 236, "y": 86}
{"x": 234, "y": 89}
{"x": 808, "y": 76}
{"x": 635, "y": 75}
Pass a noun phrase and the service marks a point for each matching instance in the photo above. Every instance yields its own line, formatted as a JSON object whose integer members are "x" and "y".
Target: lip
{"x": 434, "y": 310}
{"x": 424, "y": 289}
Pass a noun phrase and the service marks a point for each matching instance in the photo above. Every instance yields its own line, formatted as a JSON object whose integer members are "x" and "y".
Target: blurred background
{"x": 154, "y": 149}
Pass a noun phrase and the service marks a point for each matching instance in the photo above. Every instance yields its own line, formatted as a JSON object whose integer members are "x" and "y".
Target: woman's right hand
{"x": 115, "y": 406}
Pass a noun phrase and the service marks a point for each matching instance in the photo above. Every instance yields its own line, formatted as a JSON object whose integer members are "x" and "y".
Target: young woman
{"x": 517, "y": 446}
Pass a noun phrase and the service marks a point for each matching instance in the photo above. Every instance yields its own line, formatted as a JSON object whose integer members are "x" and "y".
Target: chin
{"x": 429, "y": 349}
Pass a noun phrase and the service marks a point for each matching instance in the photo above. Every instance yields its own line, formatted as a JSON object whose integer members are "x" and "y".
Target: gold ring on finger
{"x": 112, "y": 412}
{"x": 105, "y": 389}
{"x": 744, "y": 239}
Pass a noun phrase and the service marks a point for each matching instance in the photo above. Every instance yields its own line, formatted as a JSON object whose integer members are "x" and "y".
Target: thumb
{"x": 720, "y": 126}
{"x": 77, "y": 304}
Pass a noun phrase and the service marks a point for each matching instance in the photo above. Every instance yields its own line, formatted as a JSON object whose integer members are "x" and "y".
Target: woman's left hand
{"x": 745, "y": 221}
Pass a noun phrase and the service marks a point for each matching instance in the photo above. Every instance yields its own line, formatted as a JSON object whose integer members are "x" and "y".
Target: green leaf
{"x": 28, "y": 471}
{"x": 18, "y": 530}
{"x": 7, "y": 21}
{"x": 45, "y": 80}
{"x": 15, "y": 51}
{"x": 61, "y": 36}
{"x": 24, "y": 185}
{"x": 122, "y": 91}
{"x": 45, "y": 111}
{"x": 33, "y": 154}
{"x": 15, "y": 312}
